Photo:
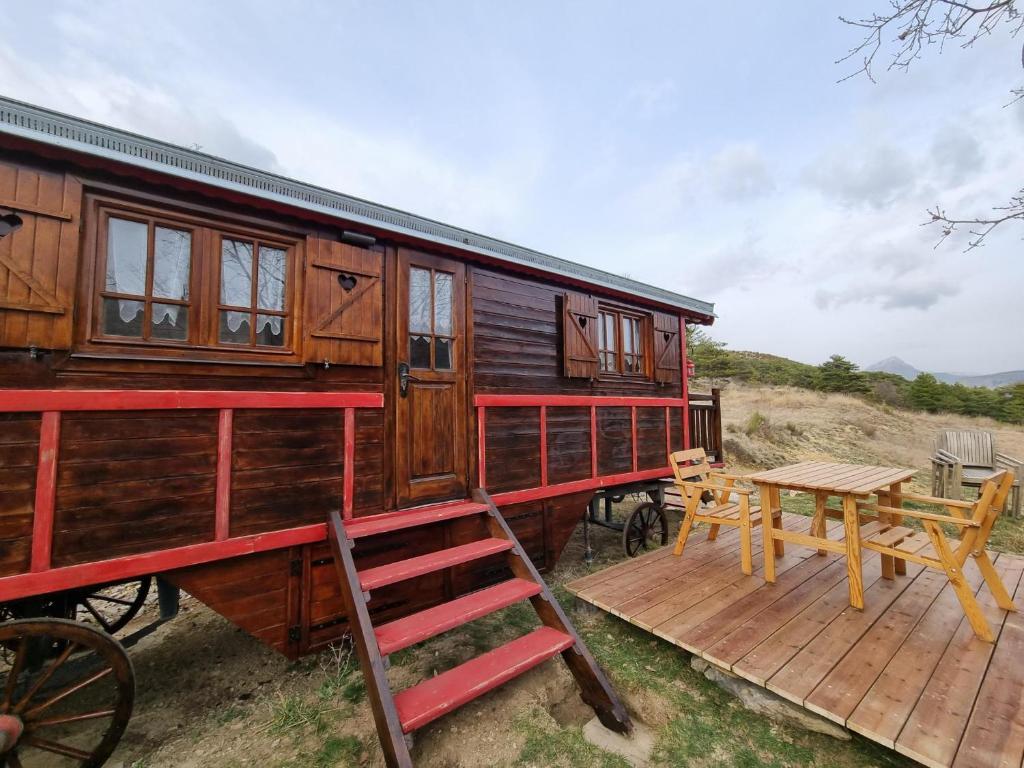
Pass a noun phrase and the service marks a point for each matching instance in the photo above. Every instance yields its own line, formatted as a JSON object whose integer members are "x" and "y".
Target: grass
{"x": 549, "y": 745}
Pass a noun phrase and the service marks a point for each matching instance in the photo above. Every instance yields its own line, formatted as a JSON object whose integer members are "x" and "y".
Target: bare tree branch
{"x": 910, "y": 26}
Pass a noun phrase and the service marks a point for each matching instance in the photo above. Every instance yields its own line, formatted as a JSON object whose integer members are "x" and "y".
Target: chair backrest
{"x": 688, "y": 465}
{"x": 973, "y": 447}
{"x": 991, "y": 501}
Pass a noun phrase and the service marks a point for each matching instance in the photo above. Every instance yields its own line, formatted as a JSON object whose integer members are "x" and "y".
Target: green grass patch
{"x": 548, "y": 745}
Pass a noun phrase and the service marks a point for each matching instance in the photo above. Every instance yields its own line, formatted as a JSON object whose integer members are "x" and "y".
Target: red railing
{"x": 42, "y": 577}
{"x": 543, "y": 403}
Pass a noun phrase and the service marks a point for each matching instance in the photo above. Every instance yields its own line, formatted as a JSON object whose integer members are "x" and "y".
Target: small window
{"x": 622, "y": 343}
{"x": 431, "y": 339}
{"x": 252, "y": 308}
{"x": 148, "y": 267}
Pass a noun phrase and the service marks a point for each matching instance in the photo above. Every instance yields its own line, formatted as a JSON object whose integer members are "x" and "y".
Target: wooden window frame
{"x": 219, "y": 236}
{"x": 152, "y": 221}
{"x": 432, "y": 334}
{"x": 207, "y": 229}
{"x": 645, "y": 343}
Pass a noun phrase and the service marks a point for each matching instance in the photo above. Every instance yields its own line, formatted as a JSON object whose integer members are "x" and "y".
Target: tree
{"x": 837, "y": 374}
{"x": 926, "y": 393}
{"x": 909, "y": 26}
{"x": 710, "y": 358}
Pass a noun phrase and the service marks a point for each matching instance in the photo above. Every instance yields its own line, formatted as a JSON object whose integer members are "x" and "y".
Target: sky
{"x": 707, "y": 148}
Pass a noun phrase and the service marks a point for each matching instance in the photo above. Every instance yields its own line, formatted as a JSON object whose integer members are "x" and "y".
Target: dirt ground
{"x": 209, "y": 695}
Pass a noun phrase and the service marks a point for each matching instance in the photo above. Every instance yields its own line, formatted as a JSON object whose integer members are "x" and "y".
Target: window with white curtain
{"x": 192, "y": 283}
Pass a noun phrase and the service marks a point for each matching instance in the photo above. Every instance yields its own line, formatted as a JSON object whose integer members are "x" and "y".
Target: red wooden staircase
{"x": 399, "y": 713}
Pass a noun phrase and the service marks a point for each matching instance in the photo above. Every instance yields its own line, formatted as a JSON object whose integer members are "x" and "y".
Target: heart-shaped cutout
{"x": 668, "y": 336}
{"x": 347, "y": 282}
{"x": 583, "y": 322}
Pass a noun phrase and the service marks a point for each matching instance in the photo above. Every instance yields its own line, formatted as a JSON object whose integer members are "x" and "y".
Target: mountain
{"x": 907, "y": 371}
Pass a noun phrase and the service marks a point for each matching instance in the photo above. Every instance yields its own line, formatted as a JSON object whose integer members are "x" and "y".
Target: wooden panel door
{"x": 430, "y": 406}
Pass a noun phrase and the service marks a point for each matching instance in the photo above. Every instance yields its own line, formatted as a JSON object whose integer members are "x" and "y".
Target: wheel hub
{"x": 11, "y": 728}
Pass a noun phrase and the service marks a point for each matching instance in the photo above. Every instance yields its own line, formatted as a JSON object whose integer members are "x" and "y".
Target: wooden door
{"x": 430, "y": 406}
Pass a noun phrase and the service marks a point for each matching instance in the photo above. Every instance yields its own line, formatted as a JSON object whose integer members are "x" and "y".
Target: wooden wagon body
{"x": 199, "y": 360}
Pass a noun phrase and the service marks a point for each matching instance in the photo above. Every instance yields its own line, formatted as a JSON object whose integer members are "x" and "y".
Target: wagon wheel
{"x": 109, "y": 606}
{"x": 64, "y": 710}
{"x": 645, "y": 529}
{"x": 112, "y": 606}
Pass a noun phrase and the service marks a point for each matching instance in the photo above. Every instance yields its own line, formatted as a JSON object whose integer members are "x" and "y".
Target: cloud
{"x": 739, "y": 172}
{"x": 887, "y": 296}
{"x": 957, "y": 153}
{"x": 863, "y": 176}
{"x": 651, "y": 97}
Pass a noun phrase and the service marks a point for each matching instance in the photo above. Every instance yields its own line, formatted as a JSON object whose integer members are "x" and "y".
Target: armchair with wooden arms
{"x": 699, "y": 484}
{"x": 968, "y": 458}
{"x": 932, "y": 547}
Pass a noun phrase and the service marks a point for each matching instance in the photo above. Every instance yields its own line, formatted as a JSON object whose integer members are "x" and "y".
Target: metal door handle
{"x": 404, "y": 377}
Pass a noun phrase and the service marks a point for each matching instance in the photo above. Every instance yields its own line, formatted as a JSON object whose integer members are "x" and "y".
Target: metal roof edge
{"x": 68, "y": 132}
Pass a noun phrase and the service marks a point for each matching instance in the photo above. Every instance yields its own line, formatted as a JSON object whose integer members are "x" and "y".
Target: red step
{"x": 420, "y": 626}
{"x": 382, "y": 575}
{"x": 439, "y": 695}
{"x": 410, "y": 518}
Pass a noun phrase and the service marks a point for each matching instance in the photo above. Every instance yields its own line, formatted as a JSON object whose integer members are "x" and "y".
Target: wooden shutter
{"x": 579, "y": 336}
{"x": 38, "y": 261}
{"x": 344, "y": 319}
{"x": 666, "y": 348}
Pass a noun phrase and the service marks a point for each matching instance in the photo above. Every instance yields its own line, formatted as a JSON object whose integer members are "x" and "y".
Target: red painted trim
{"x": 576, "y": 486}
{"x": 46, "y": 491}
{"x": 29, "y": 400}
{"x": 543, "y": 445}
{"x": 222, "y": 512}
{"x": 349, "y": 477}
{"x": 632, "y": 415}
{"x": 576, "y": 400}
{"x": 56, "y": 579}
{"x": 686, "y": 382}
{"x": 593, "y": 441}
{"x": 481, "y": 445}
{"x": 668, "y": 433}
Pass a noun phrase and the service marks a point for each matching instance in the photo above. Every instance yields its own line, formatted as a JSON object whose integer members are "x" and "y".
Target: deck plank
{"x": 839, "y": 692}
{"x": 932, "y": 733}
{"x": 994, "y": 736}
{"x": 880, "y": 715}
{"x": 906, "y": 672}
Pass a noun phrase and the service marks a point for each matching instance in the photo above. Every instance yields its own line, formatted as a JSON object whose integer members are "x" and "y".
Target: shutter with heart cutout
{"x": 579, "y": 336}
{"x": 40, "y": 212}
{"x": 344, "y": 304}
{"x": 666, "y": 348}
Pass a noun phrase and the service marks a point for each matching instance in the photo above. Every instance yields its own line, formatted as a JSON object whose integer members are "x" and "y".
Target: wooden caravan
{"x": 201, "y": 362}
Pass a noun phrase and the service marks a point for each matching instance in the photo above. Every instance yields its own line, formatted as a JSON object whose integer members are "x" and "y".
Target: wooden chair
{"x": 968, "y": 457}
{"x": 932, "y": 548}
{"x": 698, "y": 484}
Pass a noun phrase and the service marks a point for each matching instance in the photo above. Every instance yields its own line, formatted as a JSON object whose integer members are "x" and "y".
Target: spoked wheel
{"x": 645, "y": 529}
{"x": 64, "y": 710}
{"x": 113, "y": 606}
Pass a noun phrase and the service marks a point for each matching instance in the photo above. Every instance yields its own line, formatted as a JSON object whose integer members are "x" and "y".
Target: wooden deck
{"x": 907, "y": 671}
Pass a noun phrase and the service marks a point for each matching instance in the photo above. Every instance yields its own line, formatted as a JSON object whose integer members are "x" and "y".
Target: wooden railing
{"x": 42, "y": 577}
{"x": 706, "y": 424}
{"x": 546, "y": 402}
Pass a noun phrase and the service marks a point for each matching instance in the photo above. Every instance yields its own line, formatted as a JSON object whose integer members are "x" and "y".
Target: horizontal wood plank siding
{"x": 19, "y": 454}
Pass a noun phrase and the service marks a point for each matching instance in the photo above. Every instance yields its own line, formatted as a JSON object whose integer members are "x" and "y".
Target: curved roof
{"x": 60, "y": 130}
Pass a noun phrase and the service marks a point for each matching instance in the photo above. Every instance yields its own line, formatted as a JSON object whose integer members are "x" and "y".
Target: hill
{"x": 902, "y": 368}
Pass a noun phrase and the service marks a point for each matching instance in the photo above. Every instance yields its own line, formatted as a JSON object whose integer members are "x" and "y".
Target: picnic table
{"x": 848, "y": 482}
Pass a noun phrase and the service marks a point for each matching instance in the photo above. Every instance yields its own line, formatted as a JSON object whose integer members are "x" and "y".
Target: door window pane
{"x": 270, "y": 285}
{"x": 171, "y": 261}
{"x": 442, "y": 354}
{"x": 270, "y": 330}
{"x": 122, "y": 317}
{"x": 419, "y": 301}
{"x": 127, "y": 252}
{"x": 442, "y": 303}
{"x": 234, "y": 327}
{"x": 236, "y": 273}
{"x": 169, "y": 321}
{"x": 419, "y": 351}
